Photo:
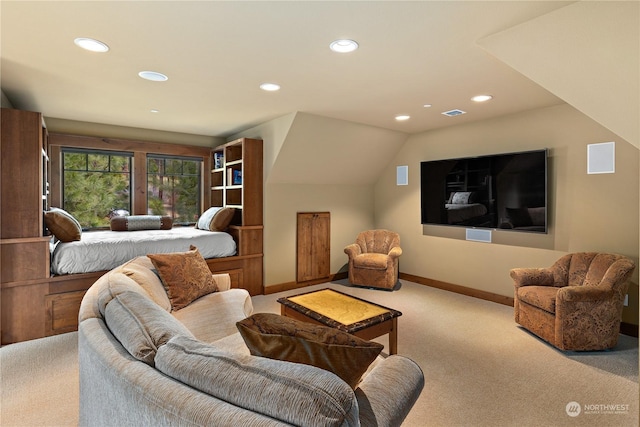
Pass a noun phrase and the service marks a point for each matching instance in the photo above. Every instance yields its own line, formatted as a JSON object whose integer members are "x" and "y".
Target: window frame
{"x": 87, "y": 152}
{"x": 140, "y": 150}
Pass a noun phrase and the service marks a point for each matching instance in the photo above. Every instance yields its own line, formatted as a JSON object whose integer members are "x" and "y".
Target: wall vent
{"x": 453, "y": 113}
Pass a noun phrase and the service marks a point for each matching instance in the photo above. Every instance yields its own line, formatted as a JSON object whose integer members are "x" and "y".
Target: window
{"x": 173, "y": 187}
{"x": 94, "y": 183}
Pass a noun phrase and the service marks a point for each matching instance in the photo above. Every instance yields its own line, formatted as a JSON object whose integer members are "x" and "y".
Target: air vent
{"x": 453, "y": 113}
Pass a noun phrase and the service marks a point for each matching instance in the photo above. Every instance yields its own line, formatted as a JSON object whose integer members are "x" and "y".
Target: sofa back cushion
{"x": 142, "y": 271}
{"x": 293, "y": 393}
{"x": 141, "y": 325}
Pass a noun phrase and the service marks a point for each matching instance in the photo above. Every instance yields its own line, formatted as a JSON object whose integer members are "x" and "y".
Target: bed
{"x": 105, "y": 250}
{"x": 462, "y": 213}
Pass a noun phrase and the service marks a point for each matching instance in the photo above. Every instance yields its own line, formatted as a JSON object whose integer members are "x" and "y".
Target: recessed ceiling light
{"x": 427, "y": 105}
{"x": 343, "y": 46}
{"x": 154, "y": 110}
{"x": 481, "y": 98}
{"x": 270, "y": 87}
{"x": 153, "y": 76}
{"x": 91, "y": 44}
{"x": 402, "y": 117}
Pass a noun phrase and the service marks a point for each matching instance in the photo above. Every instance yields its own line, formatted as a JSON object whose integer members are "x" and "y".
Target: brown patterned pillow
{"x": 63, "y": 225}
{"x": 185, "y": 276}
{"x": 278, "y": 337}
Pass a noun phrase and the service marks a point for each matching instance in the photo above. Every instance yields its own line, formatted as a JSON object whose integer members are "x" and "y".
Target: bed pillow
{"x": 185, "y": 276}
{"x": 215, "y": 219}
{"x": 278, "y": 337}
{"x": 141, "y": 222}
{"x": 63, "y": 225}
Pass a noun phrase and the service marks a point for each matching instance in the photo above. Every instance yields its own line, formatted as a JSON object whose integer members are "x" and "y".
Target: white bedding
{"x": 104, "y": 250}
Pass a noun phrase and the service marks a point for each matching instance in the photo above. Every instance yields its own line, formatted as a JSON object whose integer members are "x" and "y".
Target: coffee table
{"x": 338, "y": 310}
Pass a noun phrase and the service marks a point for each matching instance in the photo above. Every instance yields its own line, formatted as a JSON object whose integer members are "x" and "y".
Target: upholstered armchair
{"x": 576, "y": 304}
{"x": 373, "y": 259}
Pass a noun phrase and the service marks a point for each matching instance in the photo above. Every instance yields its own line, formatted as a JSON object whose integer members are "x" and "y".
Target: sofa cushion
{"x": 63, "y": 225}
{"x": 293, "y": 393}
{"x": 141, "y": 270}
{"x": 278, "y": 337}
{"x": 214, "y": 316}
{"x": 185, "y": 276}
{"x": 543, "y": 297}
{"x": 141, "y": 325}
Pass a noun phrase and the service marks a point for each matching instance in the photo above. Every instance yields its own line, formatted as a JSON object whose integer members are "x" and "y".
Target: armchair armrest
{"x": 584, "y": 294}
{"x": 352, "y": 250}
{"x": 531, "y": 276}
{"x": 395, "y": 252}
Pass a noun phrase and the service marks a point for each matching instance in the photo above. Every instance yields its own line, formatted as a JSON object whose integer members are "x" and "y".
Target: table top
{"x": 339, "y": 310}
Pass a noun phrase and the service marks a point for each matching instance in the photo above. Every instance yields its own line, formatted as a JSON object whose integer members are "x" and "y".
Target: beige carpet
{"x": 480, "y": 368}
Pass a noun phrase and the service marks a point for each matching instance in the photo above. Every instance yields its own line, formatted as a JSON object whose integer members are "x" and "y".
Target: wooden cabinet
{"x": 237, "y": 182}
{"x": 313, "y": 246}
{"x": 24, "y": 249}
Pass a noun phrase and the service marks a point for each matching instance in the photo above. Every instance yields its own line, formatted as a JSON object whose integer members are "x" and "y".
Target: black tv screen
{"x": 501, "y": 191}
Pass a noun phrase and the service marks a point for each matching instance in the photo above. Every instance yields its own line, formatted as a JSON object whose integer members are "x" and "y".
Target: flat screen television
{"x": 501, "y": 191}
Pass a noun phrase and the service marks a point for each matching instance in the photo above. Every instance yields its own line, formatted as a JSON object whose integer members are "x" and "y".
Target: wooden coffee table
{"x": 338, "y": 310}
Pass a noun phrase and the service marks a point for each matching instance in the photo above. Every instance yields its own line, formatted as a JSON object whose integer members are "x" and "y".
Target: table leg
{"x": 393, "y": 337}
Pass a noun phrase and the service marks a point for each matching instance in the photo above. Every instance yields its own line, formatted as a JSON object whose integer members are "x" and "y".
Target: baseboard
{"x": 476, "y": 293}
{"x": 625, "y": 328}
{"x": 629, "y": 329}
{"x": 297, "y": 285}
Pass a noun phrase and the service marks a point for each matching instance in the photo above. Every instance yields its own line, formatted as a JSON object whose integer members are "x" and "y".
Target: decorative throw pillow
{"x": 141, "y": 222}
{"x": 63, "y": 225}
{"x": 278, "y": 337}
{"x": 462, "y": 198}
{"x": 215, "y": 219}
{"x": 185, "y": 276}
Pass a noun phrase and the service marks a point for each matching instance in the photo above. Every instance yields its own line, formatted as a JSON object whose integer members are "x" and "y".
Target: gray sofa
{"x": 142, "y": 364}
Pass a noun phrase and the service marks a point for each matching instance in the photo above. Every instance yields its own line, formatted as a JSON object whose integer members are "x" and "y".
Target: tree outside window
{"x": 94, "y": 184}
{"x": 173, "y": 187}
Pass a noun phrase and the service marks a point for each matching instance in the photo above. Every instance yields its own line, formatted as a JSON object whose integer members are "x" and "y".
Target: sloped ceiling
{"x": 321, "y": 150}
{"x": 588, "y": 54}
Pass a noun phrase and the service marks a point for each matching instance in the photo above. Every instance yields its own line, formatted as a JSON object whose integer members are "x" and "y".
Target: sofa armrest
{"x": 389, "y": 391}
{"x": 531, "y": 276}
{"x": 223, "y": 281}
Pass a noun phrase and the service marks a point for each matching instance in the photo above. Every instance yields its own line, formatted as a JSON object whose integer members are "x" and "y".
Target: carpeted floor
{"x": 480, "y": 368}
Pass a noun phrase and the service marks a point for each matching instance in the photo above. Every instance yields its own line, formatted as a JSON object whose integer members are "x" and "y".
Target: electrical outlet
{"x": 626, "y": 300}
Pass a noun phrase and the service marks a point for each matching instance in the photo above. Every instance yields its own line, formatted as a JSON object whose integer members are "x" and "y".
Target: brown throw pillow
{"x": 185, "y": 276}
{"x": 278, "y": 337}
{"x": 63, "y": 225}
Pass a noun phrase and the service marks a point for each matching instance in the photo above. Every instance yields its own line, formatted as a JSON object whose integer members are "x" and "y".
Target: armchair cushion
{"x": 543, "y": 297}
{"x": 371, "y": 261}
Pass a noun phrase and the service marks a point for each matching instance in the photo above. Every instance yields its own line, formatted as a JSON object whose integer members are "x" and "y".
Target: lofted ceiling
{"x": 217, "y": 53}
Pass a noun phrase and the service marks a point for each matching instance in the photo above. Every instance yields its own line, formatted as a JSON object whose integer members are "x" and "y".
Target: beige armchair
{"x": 576, "y": 304}
{"x": 373, "y": 259}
